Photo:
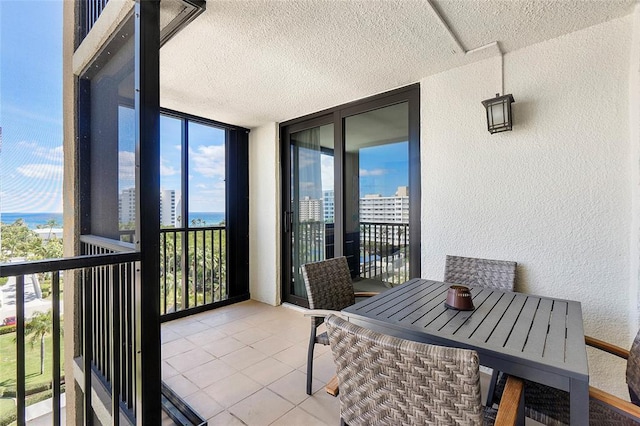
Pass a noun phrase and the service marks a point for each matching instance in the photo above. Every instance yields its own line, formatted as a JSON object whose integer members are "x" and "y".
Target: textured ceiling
{"x": 254, "y": 62}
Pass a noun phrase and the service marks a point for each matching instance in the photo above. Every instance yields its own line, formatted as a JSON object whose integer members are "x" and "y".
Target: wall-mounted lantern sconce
{"x": 499, "y": 117}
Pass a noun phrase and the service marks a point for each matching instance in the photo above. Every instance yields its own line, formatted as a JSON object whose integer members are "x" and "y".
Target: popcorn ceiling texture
{"x": 553, "y": 194}
{"x": 254, "y": 62}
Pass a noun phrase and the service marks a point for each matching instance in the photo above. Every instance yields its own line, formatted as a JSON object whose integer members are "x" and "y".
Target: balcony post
{"x": 147, "y": 291}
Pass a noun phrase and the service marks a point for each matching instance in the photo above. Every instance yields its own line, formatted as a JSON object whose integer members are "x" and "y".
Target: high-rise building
{"x": 329, "y": 206}
{"x": 310, "y": 210}
{"x": 127, "y": 206}
{"x": 378, "y": 209}
{"x": 167, "y": 207}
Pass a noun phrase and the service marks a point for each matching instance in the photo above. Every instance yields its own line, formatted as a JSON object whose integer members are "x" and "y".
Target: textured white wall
{"x": 555, "y": 193}
{"x": 264, "y": 205}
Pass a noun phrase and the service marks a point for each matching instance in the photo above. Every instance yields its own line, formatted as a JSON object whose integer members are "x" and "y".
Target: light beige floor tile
{"x": 298, "y": 332}
{"x": 225, "y": 419}
{"x": 181, "y": 385}
{"x": 209, "y": 373}
{"x": 243, "y": 358}
{"x": 166, "y": 335}
{"x": 252, "y": 335}
{"x": 272, "y": 345}
{"x": 206, "y": 336}
{"x": 168, "y": 371}
{"x": 187, "y": 329}
{"x": 176, "y": 347}
{"x": 267, "y": 371}
{"x": 234, "y": 327}
{"x": 204, "y": 405}
{"x": 323, "y": 367}
{"x": 190, "y": 359}
{"x": 323, "y": 406}
{"x": 261, "y": 408}
{"x": 222, "y": 347}
{"x": 298, "y": 416}
{"x": 295, "y": 356}
{"x": 293, "y": 386}
{"x": 232, "y": 389}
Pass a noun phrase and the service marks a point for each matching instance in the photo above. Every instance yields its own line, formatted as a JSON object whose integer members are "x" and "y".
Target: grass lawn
{"x": 32, "y": 365}
{"x": 7, "y": 404}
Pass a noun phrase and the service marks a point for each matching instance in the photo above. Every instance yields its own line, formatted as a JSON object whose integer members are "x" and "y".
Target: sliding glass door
{"x": 376, "y": 219}
{"x": 351, "y": 188}
{"x": 310, "y": 216}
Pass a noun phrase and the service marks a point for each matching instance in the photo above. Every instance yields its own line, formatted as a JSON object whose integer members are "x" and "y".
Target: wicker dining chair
{"x": 494, "y": 274}
{"x": 550, "y": 406}
{"x": 488, "y": 273}
{"x": 329, "y": 287}
{"x": 386, "y": 380}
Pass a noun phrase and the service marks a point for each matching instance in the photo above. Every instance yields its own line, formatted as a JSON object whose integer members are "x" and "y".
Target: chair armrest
{"x": 365, "y": 293}
{"x": 626, "y": 407}
{"x": 510, "y": 403}
{"x": 607, "y": 347}
{"x": 322, "y": 313}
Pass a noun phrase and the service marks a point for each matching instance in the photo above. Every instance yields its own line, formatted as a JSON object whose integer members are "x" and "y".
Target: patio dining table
{"x": 536, "y": 338}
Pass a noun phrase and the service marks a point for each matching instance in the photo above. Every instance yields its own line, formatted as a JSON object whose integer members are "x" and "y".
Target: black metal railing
{"x": 193, "y": 268}
{"x": 384, "y": 252}
{"x": 90, "y": 14}
{"x": 377, "y": 251}
{"x": 107, "y": 342}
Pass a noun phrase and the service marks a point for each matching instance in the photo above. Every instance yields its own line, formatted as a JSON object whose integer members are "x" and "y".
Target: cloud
{"x": 327, "y": 172}
{"x": 209, "y": 161}
{"x": 51, "y": 154}
{"x": 374, "y": 172}
{"x": 29, "y": 114}
{"x": 41, "y": 171}
{"x": 127, "y": 165}
{"x": 167, "y": 170}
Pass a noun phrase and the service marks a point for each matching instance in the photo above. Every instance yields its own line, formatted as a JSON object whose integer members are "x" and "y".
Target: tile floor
{"x": 246, "y": 364}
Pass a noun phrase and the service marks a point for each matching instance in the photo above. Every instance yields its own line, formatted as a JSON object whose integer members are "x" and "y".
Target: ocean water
{"x": 34, "y": 219}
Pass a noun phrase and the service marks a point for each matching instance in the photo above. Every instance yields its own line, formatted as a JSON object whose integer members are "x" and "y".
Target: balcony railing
{"x": 384, "y": 252}
{"x": 104, "y": 283}
{"x": 91, "y": 12}
{"x": 378, "y": 251}
{"x": 193, "y": 269}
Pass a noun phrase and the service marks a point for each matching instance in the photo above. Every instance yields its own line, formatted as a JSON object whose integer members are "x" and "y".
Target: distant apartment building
{"x": 375, "y": 208}
{"x": 167, "y": 207}
{"x": 310, "y": 210}
{"x": 127, "y": 206}
{"x": 329, "y": 206}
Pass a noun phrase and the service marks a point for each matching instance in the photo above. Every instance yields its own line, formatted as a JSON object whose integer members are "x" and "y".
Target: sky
{"x": 383, "y": 169}
{"x": 31, "y": 106}
{"x": 31, "y": 158}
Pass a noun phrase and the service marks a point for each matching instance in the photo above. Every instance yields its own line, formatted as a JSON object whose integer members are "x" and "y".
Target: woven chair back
{"x": 633, "y": 370}
{"x": 386, "y": 380}
{"x": 495, "y": 274}
{"x": 328, "y": 284}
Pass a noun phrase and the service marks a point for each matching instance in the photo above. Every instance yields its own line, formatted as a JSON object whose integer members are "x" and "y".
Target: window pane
{"x": 170, "y": 171}
{"x": 377, "y": 197}
{"x": 112, "y": 144}
{"x": 206, "y": 175}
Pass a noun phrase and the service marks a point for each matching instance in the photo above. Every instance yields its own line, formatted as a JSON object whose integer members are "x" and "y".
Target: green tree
{"x": 17, "y": 240}
{"x": 38, "y": 327}
{"x": 51, "y": 223}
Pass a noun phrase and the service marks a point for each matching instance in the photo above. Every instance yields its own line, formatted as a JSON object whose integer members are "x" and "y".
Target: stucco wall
{"x": 555, "y": 193}
{"x": 264, "y": 205}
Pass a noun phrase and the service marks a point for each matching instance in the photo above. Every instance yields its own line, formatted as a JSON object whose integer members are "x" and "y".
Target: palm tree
{"x": 38, "y": 327}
